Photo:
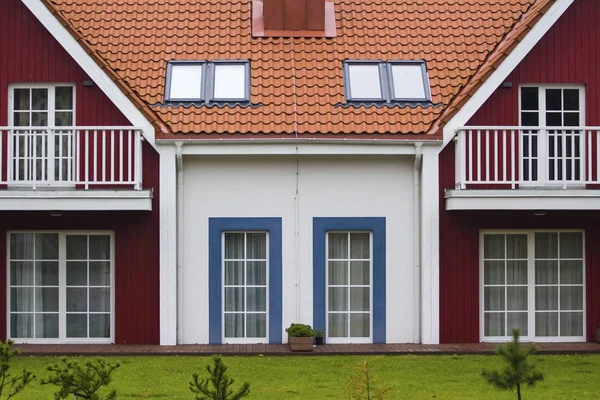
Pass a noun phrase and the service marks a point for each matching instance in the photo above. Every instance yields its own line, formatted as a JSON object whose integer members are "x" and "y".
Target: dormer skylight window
{"x": 207, "y": 82}
{"x": 387, "y": 82}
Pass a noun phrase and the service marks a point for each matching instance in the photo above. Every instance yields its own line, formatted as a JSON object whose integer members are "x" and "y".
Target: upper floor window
{"x": 202, "y": 81}
{"x": 391, "y": 81}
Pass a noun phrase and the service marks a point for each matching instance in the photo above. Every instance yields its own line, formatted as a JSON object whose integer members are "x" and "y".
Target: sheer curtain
{"x": 349, "y": 284}
{"x": 245, "y": 284}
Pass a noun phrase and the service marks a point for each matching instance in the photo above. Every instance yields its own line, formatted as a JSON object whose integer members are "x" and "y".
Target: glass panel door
{"x": 245, "y": 285}
{"x": 33, "y": 263}
{"x": 60, "y": 286}
{"x": 505, "y": 284}
{"x": 40, "y": 154}
{"x": 349, "y": 285}
{"x": 558, "y": 284}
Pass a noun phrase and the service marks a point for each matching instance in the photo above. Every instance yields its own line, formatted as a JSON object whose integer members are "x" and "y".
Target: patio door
{"x": 533, "y": 281}
{"x": 60, "y": 287}
{"x": 349, "y": 294}
{"x": 552, "y": 151}
{"x": 38, "y": 151}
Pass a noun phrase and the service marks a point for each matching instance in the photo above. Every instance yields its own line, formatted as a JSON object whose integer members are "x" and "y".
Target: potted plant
{"x": 319, "y": 335}
{"x": 300, "y": 337}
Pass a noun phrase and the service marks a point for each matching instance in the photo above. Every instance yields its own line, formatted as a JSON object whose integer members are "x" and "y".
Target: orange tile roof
{"x": 297, "y": 84}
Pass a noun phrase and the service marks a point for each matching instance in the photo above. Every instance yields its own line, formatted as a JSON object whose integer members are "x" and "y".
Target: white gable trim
{"x": 110, "y": 89}
{"x": 506, "y": 67}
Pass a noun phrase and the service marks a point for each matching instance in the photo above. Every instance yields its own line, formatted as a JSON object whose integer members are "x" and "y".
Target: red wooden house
{"x": 519, "y": 199}
{"x": 464, "y": 134}
{"x": 78, "y": 199}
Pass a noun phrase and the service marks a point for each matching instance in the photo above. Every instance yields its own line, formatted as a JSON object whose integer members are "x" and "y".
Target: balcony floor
{"x": 522, "y": 199}
{"x": 284, "y": 350}
{"x": 75, "y": 200}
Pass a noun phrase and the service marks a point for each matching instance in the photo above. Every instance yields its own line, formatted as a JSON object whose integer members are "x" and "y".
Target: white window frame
{"x": 349, "y": 339}
{"x": 542, "y": 145}
{"x": 530, "y": 288}
{"x": 51, "y": 124}
{"x": 62, "y": 285}
{"x": 207, "y": 90}
{"x": 244, "y": 340}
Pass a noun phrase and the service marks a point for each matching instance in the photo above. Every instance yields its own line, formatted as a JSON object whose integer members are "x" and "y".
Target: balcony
{"x": 72, "y": 168}
{"x": 526, "y": 168}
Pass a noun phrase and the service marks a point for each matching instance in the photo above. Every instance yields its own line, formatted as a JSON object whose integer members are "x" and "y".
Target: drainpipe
{"x": 179, "y": 216}
{"x": 417, "y": 240}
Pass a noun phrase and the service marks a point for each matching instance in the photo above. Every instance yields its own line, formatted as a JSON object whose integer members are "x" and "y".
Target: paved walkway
{"x": 284, "y": 350}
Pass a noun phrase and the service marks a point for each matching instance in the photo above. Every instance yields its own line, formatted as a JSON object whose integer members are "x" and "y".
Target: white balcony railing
{"x": 77, "y": 157}
{"x": 538, "y": 157}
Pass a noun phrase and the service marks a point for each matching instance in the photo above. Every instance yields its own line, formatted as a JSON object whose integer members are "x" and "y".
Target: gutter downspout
{"x": 179, "y": 235}
{"x": 417, "y": 240}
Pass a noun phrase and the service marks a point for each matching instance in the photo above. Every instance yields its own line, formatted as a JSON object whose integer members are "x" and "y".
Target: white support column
{"x": 430, "y": 255}
{"x": 168, "y": 246}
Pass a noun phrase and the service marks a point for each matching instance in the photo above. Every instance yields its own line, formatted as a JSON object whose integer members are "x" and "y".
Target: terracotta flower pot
{"x": 301, "y": 343}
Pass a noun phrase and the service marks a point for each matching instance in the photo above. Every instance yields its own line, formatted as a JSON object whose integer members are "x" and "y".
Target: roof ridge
{"x": 465, "y": 92}
{"x": 127, "y": 90}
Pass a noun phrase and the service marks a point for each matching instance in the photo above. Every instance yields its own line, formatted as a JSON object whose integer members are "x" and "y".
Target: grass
{"x": 572, "y": 377}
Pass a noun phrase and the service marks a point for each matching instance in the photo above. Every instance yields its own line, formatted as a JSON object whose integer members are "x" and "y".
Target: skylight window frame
{"x": 383, "y": 83}
{"x": 207, "y": 81}
{"x": 211, "y": 83}
{"x": 170, "y": 64}
{"x": 386, "y": 81}
{"x": 424, "y": 79}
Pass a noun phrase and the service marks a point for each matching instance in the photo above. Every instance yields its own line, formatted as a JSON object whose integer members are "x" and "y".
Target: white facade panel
{"x": 328, "y": 186}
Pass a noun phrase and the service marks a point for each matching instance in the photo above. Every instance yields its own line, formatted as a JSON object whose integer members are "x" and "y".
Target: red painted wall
{"x": 30, "y": 54}
{"x": 567, "y": 54}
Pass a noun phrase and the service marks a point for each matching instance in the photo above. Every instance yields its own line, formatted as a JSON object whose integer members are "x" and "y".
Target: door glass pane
{"x": 234, "y": 246}
{"x": 529, "y": 98}
{"x": 493, "y": 247}
{"x": 99, "y": 247}
{"x": 234, "y": 272}
{"x": 546, "y": 298}
{"x": 77, "y": 325}
{"x": 64, "y": 97}
{"x": 553, "y": 99}
{"x": 338, "y": 325}
{"x": 338, "y": 246}
{"x": 546, "y": 245}
{"x": 21, "y": 325}
{"x": 571, "y": 324}
{"x": 46, "y": 325}
{"x": 494, "y": 299}
{"x": 257, "y": 246}
{"x": 257, "y": 325}
{"x": 99, "y": 299}
{"x": 46, "y": 299}
{"x": 257, "y": 272}
{"x": 546, "y": 324}
{"x": 546, "y": 272}
{"x": 99, "y": 273}
{"x": 21, "y": 273}
{"x": 234, "y": 325}
{"x": 99, "y": 325}
{"x": 494, "y": 272}
{"x": 360, "y": 325}
{"x": 516, "y": 298}
{"x": 21, "y": 99}
{"x": 77, "y": 299}
{"x": 360, "y": 246}
{"x": 494, "y": 324}
{"x": 516, "y": 272}
{"x": 338, "y": 299}
{"x": 256, "y": 299}
{"x": 517, "y": 320}
{"x": 571, "y": 272}
{"x": 360, "y": 273}
{"x": 39, "y": 99}
{"x": 77, "y": 247}
{"x": 571, "y": 245}
{"x": 338, "y": 272}
{"x": 571, "y": 99}
{"x": 234, "y": 299}
{"x": 360, "y": 299}
{"x": 77, "y": 273}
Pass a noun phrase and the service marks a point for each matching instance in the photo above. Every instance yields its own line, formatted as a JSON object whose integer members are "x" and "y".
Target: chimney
{"x": 294, "y": 15}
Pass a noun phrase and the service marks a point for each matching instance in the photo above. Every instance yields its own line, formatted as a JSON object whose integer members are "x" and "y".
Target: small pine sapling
{"x": 11, "y": 385}
{"x": 81, "y": 380}
{"x": 217, "y": 385}
{"x": 363, "y": 385}
{"x": 519, "y": 370}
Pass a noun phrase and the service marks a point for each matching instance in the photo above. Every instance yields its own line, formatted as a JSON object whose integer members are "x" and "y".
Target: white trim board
{"x": 83, "y": 59}
{"x": 506, "y": 67}
{"x": 76, "y": 200}
{"x": 521, "y": 199}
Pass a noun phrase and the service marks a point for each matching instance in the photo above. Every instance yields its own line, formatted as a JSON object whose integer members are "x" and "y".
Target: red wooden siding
{"x": 567, "y": 54}
{"x": 30, "y": 54}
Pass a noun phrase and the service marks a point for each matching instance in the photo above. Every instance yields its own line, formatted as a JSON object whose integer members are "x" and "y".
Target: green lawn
{"x": 326, "y": 377}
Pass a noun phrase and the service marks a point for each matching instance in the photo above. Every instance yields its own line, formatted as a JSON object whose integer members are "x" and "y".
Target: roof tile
{"x": 297, "y": 83}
